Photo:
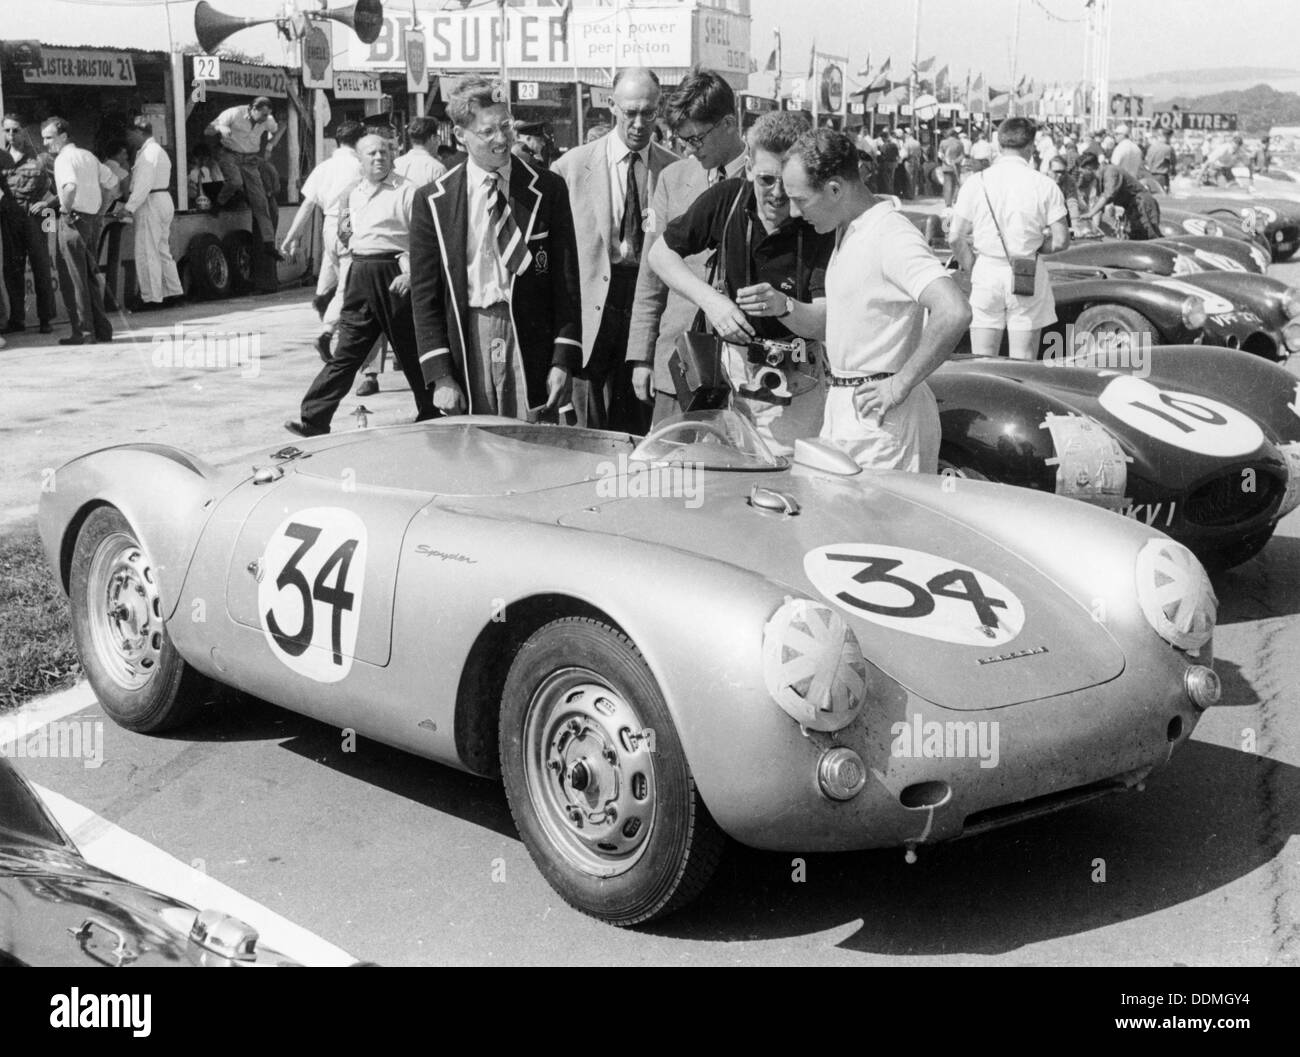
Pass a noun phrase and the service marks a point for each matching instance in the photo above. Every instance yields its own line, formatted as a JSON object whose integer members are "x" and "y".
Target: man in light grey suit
{"x": 611, "y": 183}
{"x": 701, "y": 111}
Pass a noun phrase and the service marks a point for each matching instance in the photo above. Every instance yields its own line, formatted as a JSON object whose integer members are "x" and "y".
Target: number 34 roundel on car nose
{"x": 917, "y": 593}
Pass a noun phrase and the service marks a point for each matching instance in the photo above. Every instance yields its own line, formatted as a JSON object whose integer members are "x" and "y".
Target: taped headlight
{"x": 1249, "y": 221}
{"x": 1291, "y": 498}
{"x": 1266, "y": 215}
{"x": 813, "y": 666}
{"x": 1175, "y": 594}
{"x": 1291, "y": 336}
{"x": 1291, "y": 302}
{"x": 1193, "y": 309}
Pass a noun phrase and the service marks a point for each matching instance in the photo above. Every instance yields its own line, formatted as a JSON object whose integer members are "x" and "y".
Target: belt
{"x": 858, "y": 379}
{"x": 375, "y": 256}
{"x": 79, "y": 213}
{"x": 158, "y": 191}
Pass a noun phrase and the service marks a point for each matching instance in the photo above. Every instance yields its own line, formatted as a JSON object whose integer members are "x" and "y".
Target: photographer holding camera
{"x": 774, "y": 271}
{"x": 1001, "y": 223}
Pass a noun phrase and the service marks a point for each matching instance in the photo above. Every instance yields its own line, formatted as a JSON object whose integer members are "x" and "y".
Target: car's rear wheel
{"x": 117, "y": 625}
{"x": 1115, "y": 319}
{"x": 209, "y": 270}
{"x": 240, "y": 251}
{"x": 597, "y": 780}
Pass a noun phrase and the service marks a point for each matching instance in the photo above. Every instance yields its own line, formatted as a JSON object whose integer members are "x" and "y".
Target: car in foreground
{"x": 1199, "y": 442}
{"x": 652, "y": 644}
{"x": 57, "y": 910}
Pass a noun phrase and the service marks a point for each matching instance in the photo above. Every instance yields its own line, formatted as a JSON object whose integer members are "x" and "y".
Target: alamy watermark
{"x": 956, "y": 740}
{"x": 198, "y": 347}
{"x": 626, "y": 479}
{"x": 1111, "y": 350}
{"x": 62, "y": 739}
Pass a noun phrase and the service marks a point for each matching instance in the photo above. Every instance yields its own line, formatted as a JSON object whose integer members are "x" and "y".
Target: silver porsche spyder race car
{"x": 652, "y": 644}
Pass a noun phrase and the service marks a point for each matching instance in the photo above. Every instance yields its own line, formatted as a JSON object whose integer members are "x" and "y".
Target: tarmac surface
{"x": 378, "y": 855}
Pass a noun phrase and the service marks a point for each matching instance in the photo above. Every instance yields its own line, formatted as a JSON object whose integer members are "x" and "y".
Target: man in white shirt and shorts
{"x": 1031, "y": 217}
{"x": 881, "y": 282}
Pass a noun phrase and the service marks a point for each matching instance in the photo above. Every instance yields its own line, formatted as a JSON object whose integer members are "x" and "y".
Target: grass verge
{"x": 36, "y": 651}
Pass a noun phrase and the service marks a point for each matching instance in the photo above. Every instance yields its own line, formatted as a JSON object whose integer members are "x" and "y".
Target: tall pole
{"x": 1103, "y": 67}
{"x": 916, "y": 54}
{"x": 505, "y": 37}
{"x": 419, "y": 96}
{"x": 776, "y": 85}
{"x": 1013, "y": 107}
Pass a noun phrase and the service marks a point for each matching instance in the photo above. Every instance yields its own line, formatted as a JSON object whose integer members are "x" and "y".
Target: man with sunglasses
{"x": 701, "y": 112}
{"x": 611, "y": 184}
{"x": 773, "y": 268}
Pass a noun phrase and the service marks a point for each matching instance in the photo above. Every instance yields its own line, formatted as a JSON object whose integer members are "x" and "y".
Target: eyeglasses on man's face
{"x": 696, "y": 141}
{"x": 767, "y": 180}
{"x": 504, "y": 130}
{"x": 645, "y": 115}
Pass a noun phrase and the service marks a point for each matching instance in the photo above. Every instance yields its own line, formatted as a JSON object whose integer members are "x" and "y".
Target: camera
{"x": 772, "y": 362}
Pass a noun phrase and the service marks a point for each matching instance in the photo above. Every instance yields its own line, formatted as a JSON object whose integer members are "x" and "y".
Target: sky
{"x": 1147, "y": 36}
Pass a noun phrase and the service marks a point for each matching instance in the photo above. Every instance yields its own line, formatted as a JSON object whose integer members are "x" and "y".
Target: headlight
{"x": 1193, "y": 313}
{"x": 1266, "y": 215}
{"x": 813, "y": 666}
{"x": 1175, "y": 594}
{"x": 1186, "y": 265}
{"x": 1202, "y": 686}
{"x": 1249, "y": 221}
{"x": 1291, "y": 302}
{"x": 1291, "y": 336}
{"x": 1291, "y": 498}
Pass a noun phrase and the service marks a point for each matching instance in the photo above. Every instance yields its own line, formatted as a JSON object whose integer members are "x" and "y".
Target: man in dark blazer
{"x": 611, "y": 185}
{"x": 701, "y": 112}
{"x": 494, "y": 273}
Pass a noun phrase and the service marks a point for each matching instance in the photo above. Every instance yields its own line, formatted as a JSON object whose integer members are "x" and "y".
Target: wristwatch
{"x": 789, "y": 307}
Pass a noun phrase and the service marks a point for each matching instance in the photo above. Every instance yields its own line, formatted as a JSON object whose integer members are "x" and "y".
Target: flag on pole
{"x": 924, "y": 67}
{"x": 941, "y": 84}
{"x": 773, "y": 59}
{"x": 812, "y": 62}
{"x": 865, "y": 72}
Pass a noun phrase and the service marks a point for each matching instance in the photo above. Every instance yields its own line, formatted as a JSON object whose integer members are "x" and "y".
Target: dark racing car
{"x": 1202, "y": 443}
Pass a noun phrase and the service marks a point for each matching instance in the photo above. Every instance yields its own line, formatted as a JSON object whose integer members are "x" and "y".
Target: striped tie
{"x": 510, "y": 240}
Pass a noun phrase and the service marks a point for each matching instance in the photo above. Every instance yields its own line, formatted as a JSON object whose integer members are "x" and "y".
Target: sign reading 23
{"x": 309, "y": 595}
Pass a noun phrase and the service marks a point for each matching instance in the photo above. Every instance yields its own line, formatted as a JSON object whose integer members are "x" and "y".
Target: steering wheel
{"x": 708, "y": 428}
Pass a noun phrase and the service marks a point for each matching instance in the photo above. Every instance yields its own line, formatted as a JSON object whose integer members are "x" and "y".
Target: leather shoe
{"x": 13, "y": 328}
{"x": 74, "y": 340}
{"x": 323, "y": 346}
{"x": 369, "y": 387}
{"x": 294, "y": 426}
{"x": 46, "y": 328}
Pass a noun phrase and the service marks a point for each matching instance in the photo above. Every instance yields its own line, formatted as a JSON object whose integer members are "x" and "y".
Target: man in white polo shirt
{"x": 880, "y": 284}
{"x": 81, "y": 181}
{"x": 1009, "y": 210}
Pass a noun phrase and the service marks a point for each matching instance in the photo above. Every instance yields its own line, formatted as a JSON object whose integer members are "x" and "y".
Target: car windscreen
{"x": 720, "y": 439}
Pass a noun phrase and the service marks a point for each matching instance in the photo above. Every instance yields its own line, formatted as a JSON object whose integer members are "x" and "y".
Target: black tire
{"x": 240, "y": 249}
{"x": 1237, "y": 553}
{"x": 1115, "y": 318}
{"x": 143, "y": 683}
{"x": 576, "y": 696}
{"x": 210, "y": 275}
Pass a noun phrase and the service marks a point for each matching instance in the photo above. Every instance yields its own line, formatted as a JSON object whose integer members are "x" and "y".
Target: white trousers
{"x": 155, "y": 271}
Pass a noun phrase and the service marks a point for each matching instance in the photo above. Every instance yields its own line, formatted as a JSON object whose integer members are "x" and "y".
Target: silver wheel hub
{"x": 125, "y": 611}
{"x": 590, "y": 771}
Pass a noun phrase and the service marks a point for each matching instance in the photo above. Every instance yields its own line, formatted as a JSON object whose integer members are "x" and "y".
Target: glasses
{"x": 697, "y": 141}
{"x": 1057, "y": 173}
{"x": 503, "y": 130}
{"x": 766, "y": 180}
{"x": 644, "y": 115}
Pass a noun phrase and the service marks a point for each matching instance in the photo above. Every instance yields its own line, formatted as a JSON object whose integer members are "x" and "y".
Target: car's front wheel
{"x": 596, "y": 777}
{"x": 117, "y": 625}
{"x": 1116, "y": 319}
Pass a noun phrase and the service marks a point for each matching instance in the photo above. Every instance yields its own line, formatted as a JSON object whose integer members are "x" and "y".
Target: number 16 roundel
{"x": 309, "y": 595}
{"x": 915, "y": 592}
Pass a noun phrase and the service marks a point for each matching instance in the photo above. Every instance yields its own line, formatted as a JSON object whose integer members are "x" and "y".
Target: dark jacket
{"x": 545, "y": 306}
